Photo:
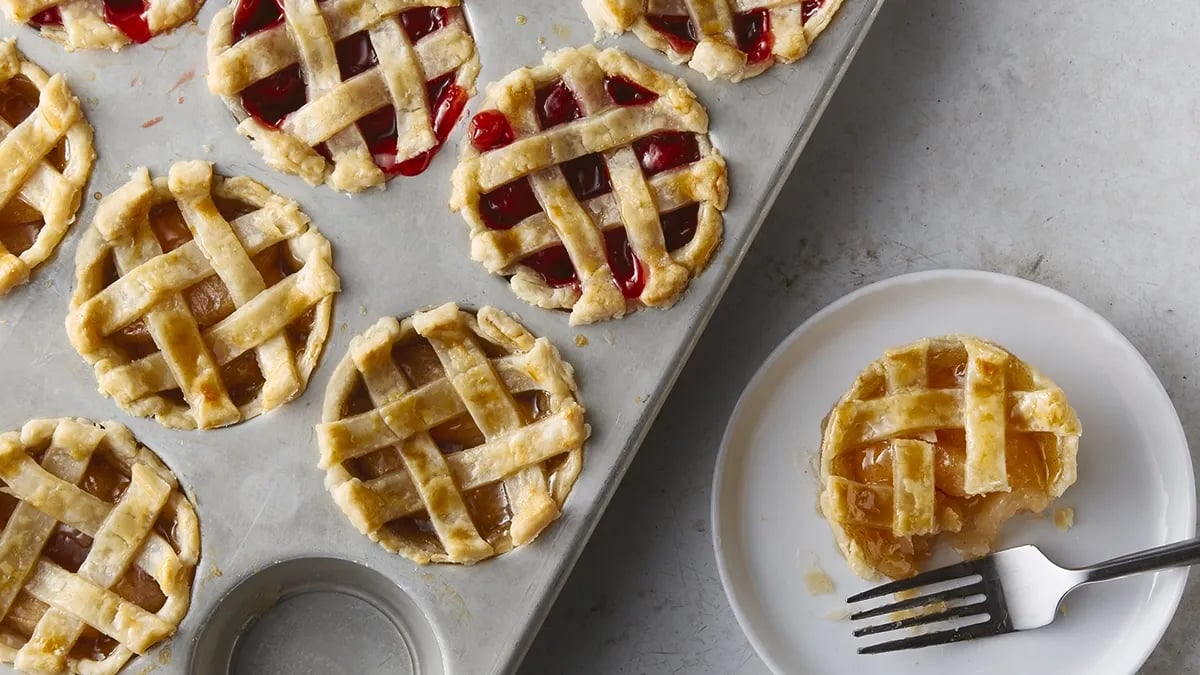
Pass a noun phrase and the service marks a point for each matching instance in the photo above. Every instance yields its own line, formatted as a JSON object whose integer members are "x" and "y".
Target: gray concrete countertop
{"x": 1056, "y": 141}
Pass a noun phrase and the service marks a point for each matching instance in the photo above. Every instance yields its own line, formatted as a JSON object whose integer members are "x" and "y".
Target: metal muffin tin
{"x": 285, "y": 584}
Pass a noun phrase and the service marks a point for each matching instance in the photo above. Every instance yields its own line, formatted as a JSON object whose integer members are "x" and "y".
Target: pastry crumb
{"x": 1064, "y": 518}
{"x": 839, "y": 614}
{"x": 581, "y": 341}
{"x": 521, "y": 20}
{"x": 541, "y": 41}
{"x": 206, "y": 147}
{"x": 97, "y": 196}
{"x": 817, "y": 581}
{"x": 362, "y": 309}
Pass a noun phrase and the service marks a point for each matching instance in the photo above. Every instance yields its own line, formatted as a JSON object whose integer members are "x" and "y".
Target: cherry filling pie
{"x": 99, "y": 547}
{"x": 342, "y": 91}
{"x": 451, "y": 436}
{"x": 724, "y": 39}
{"x": 590, "y": 181}
{"x": 101, "y": 24}
{"x": 46, "y": 151}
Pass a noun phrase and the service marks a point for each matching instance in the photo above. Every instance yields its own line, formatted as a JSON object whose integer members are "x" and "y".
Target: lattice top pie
{"x": 952, "y": 435}
{"x": 727, "y": 39}
{"x": 46, "y": 151}
{"x": 101, "y": 24}
{"x": 342, "y": 91}
{"x": 451, "y": 437}
{"x": 590, "y": 182}
{"x": 98, "y": 549}
{"x": 201, "y": 300}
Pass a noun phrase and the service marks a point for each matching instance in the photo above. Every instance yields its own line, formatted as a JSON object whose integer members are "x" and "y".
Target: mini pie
{"x": 590, "y": 182}
{"x": 726, "y": 39}
{"x": 101, "y": 24}
{"x": 341, "y": 91}
{"x": 951, "y": 434}
{"x": 46, "y": 151}
{"x": 98, "y": 550}
{"x": 451, "y": 437}
{"x": 201, "y": 300}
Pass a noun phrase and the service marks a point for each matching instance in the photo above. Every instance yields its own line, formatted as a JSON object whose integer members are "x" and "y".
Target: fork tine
{"x": 961, "y": 569}
{"x": 975, "y": 630}
{"x": 976, "y": 588}
{"x": 973, "y": 609}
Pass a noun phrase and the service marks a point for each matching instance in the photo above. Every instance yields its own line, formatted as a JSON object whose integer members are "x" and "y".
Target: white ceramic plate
{"x": 1135, "y": 487}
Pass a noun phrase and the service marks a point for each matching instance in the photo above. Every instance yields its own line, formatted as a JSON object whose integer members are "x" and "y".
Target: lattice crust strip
{"x": 29, "y": 178}
{"x": 151, "y": 284}
{"x": 723, "y": 39}
{"x": 516, "y": 451}
{"x": 896, "y": 411}
{"x": 125, "y": 535}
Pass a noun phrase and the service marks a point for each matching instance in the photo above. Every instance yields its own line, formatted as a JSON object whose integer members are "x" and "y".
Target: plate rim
{"x": 1177, "y": 581}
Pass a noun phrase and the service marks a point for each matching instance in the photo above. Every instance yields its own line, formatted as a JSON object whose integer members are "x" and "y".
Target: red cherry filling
{"x": 252, "y": 16}
{"x": 490, "y": 130}
{"x": 626, "y": 92}
{"x": 379, "y": 128}
{"x": 627, "y": 270}
{"x": 753, "y": 30}
{"x": 587, "y": 176}
{"x": 666, "y": 150}
{"x": 679, "y": 226}
{"x": 129, "y": 17}
{"x": 355, "y": 54}
{"x": 508, "y": 204}
{"x": 422, "y": 21}
{"x": 553, "y": 265}
{"x": 47, "y": 17}
{"x": 273, "y": 98}
{"x": 678, "y": 30}
{"x": 556, "y": 105}
{"x": 808, "y": 8}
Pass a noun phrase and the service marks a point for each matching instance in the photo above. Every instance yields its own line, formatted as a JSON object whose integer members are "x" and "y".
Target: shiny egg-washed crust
{"x": 84, "y": 26}
{"x": 716, "y": 54}
{"x": 997, "y": 398}
{"x": 151, "y": 283}
{"x": 307, "y": 36}
{"x": 123, "y": 535}
{"x": 634, "y": 203}
{"x": 434, "y": 484}
{"x": 27, "y": 173}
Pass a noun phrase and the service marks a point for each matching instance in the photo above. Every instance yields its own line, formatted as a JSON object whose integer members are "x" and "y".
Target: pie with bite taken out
{"x": 98, "y": 549}
{"x": 201, "y": 300}
{"x": 344, "y": 92}
{"x": 726, "y": 39}
{"x": 590, "y": 182}
{"x": 46, "y": 151}
{"x": 101, "y": 24}
{"x": 950, "y": 435}
{"x": 451, "y": 437}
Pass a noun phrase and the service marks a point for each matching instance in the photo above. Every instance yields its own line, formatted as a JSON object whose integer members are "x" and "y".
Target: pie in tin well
{"x": 590, "y": 182}
{"x": 98, "y": 549}
{"x": 950, "y": 435}
{"x": 201, "y": 300}
{"x": 344, "y": 92}
{"x": 47, "y": 154}
{"x": 726, "y": 39}
{"x": 101, "y": 24}
{"x": 451, "y": 437}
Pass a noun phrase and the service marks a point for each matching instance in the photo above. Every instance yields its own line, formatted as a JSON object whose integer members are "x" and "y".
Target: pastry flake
{"x": 46, "y": 149}
{"x": 451, "y": 437}
{"x": 343, "y": 92}
{"x": 201, "y": 300}
{"x": 722, "y": 39}
{"x": 950, "y": 435}
{"x": 98, "y": 549}
{"x": 591, "y": 183}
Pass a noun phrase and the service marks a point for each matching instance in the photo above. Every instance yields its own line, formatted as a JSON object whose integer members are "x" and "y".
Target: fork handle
{"x": 1178, "y": 554}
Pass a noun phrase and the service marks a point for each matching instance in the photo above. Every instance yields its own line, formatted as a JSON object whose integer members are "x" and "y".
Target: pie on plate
{"x": 725, "y": 39}
{"x": 451, "y": 436}
{"x": 590, "y": 182}
{"x": 343, "y": 92}
{"x": 46, "y": 151}
{"x": 101, "y": 24}
{"x": 98, "y": 550}
{"x": 201, "y": 300}
{"x": 951, "y": 435}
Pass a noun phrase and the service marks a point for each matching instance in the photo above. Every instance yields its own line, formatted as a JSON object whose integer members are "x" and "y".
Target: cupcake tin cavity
{"x": 285, "y": 580}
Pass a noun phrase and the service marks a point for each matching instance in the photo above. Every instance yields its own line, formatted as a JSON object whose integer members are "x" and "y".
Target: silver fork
{"x": 1021, "y": 590}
